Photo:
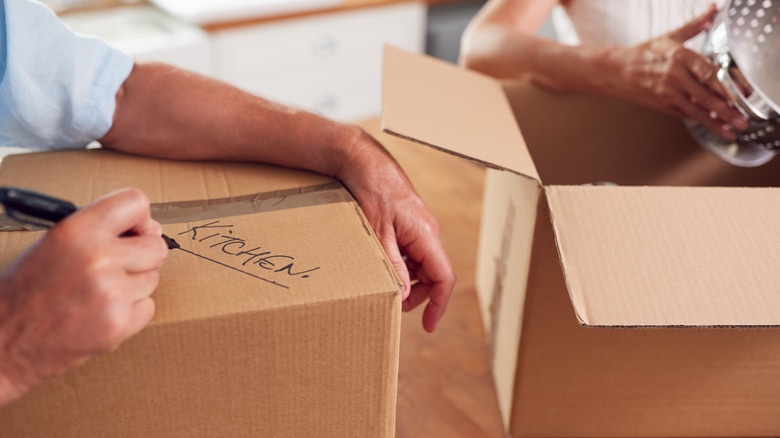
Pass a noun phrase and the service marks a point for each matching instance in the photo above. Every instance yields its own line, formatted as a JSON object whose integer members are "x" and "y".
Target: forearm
{"x": 511, "y": 54}
{"x": 167, "y": 112}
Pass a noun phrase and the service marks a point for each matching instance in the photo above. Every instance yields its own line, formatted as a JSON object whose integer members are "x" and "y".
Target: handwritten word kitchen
{"x": 218, "y": 235}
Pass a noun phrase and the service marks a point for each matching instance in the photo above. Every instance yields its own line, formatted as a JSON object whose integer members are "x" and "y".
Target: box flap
{"x": 452, "y": 109}
{"x": 669, "y": 256}
{"x": 295, "y": 253}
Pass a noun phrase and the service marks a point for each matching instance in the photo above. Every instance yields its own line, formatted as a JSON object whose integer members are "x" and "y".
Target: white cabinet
{"x": 330, "y": 63}
{"x": 147, "y": 34}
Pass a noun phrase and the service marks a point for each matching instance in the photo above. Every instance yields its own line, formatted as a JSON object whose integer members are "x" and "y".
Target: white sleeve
{"x": 58, "y": 89}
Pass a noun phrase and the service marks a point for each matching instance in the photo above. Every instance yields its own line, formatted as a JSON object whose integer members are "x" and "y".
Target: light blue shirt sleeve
{"x": 57, "y": 89}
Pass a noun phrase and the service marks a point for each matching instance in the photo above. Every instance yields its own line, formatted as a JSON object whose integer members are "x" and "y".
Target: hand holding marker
{"x": 82, "y": 289}
{"x": 28, "y": 206}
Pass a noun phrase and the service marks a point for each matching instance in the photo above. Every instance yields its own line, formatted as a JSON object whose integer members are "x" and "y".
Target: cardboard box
{"x": 643, "y": 310}
{"x": 284, "y": 322}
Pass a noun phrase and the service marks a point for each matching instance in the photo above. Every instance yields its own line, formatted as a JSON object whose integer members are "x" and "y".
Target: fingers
{"x": 141, "y": 315}
{"x": 704, "y": 99}
{"x": 695, "y": 26}
{"x": 436, "y": 280}
{"x": 396, "y": 259}
{"x": 703, "y": 71}
{"x": 122, "y": 211}
{"x": 140, "y": 286}
{"x": 142, "y": 253}
{"x": 128, "y": 310}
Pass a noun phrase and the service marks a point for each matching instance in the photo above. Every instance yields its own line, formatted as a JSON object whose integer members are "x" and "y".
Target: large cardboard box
{"x": 278, "y": 317}
{"x": 646, "y": 309}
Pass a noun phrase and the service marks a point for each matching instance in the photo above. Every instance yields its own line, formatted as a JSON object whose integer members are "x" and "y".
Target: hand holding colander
{"x": 743, "y": 43}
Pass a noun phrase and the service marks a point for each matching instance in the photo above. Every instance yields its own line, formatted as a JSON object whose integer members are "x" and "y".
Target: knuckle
{"x": 152, "y": 249}
{"x": 112, "y": 332}
{"x": 97, "y": 265}
{"x": 451, "y": 280}
{"x": 103, "y": 291}
{"x": 434, "y": 226}
{"x": 678, "y": 53}
{"x": 137, "y": 197}
{"x": 662, "y": 88}
{"x": 718, "y": 105}
{"x": 706, "y": 73}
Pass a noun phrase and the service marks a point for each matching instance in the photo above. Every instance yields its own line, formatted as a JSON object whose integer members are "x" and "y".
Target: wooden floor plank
{"x": 445, "y": 387}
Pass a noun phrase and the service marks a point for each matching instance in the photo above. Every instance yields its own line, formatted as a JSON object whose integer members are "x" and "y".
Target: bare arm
{"x": 502, "y": 41}
{"x": 660, "y": 73}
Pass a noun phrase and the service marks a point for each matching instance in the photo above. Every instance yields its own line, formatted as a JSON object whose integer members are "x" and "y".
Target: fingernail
{"x": 740, "y": 123}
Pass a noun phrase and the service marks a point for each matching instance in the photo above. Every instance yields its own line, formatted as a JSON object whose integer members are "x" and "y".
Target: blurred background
{"x": 321, "y": 55}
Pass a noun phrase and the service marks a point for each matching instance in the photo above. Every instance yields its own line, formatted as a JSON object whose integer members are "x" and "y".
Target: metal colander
{"x": 744, "y": 42}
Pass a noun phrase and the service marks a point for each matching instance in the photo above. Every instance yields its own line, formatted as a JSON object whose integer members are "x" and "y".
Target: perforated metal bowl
{"x": 744, "y": 42}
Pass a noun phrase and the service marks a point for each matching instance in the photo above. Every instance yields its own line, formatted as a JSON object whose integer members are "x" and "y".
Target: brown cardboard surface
{"x": 583, "y": 139}
{"x": 642, "y": 255}
{"x": 282, "y": 322}
{"x": 102, "y": 171}
{"x": 575, "y": 381}
{"x": 675, "y": 256}
{"x": 478, "y": 125}
{"x": 506, "y": 233}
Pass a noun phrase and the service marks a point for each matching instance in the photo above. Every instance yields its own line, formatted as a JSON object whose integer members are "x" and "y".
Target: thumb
{"x": 695, "y": 26}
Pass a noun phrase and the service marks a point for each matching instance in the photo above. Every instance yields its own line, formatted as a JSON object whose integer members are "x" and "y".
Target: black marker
{"x": 27, "y": 206}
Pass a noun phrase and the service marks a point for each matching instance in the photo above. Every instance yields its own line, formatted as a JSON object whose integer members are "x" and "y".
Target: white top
{"x": 629, "y": 22}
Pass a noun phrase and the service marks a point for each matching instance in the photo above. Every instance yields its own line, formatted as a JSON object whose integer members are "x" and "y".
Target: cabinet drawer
{"x": 320, "y": 41}
{"x": 348, "y": 92}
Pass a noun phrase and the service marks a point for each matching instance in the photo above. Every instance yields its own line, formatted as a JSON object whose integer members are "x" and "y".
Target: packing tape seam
{"x": 262, "y": 202}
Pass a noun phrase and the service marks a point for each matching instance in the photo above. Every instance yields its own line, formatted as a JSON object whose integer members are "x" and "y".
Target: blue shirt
{"x": 57, "y": 89}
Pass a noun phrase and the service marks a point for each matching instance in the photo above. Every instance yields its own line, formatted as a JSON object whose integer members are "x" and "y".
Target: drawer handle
{"x": 324, "y": 46}
{"x": 325, "y": 104}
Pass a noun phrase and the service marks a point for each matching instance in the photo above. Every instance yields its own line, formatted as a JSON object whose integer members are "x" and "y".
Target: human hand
{"x": 404, "y": 226}
{"x": 662, "y": 74}
{"x": 80, "y": 290}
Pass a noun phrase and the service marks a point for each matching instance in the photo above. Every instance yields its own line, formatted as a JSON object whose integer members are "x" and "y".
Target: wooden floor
{"x": 445, "y": 388}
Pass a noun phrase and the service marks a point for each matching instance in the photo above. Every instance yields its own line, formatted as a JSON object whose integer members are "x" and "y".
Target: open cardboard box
{"x": 648, "y": 309}
{"x": 279, "y": 316}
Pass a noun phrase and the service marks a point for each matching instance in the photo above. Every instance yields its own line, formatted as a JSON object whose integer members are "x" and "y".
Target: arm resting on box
{"x": 167, "y": 112}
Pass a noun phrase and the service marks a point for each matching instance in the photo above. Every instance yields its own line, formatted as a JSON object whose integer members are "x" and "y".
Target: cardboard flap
{"x": 669, "y": 256}
{"x": 452, "y": 109}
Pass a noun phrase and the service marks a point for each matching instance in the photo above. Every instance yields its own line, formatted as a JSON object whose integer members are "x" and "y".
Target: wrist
{"x": 367, "y": 164}
{"x": 607, "y": 63}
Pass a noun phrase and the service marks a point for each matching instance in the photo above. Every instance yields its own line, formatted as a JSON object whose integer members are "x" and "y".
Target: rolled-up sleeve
{"x": 58, "y": 88}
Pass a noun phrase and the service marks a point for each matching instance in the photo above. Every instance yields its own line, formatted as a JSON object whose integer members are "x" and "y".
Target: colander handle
{"x": 736, "y": 95}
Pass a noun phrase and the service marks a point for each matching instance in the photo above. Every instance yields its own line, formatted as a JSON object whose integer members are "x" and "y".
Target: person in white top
{"x": 629, "y": 49}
